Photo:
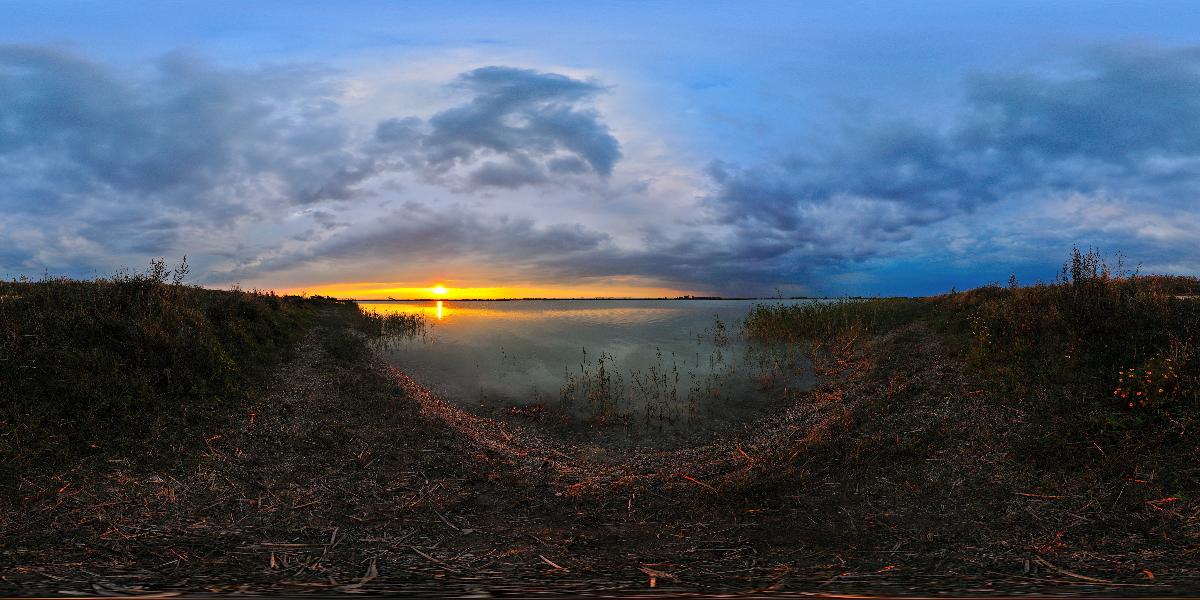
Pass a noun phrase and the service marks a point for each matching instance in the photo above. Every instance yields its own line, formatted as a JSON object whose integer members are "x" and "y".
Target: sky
{"x": 375, "y": 149}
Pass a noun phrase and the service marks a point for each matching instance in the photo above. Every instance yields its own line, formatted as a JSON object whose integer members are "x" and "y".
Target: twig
{"x": 551, "y": 563}
{"x": 698, "y": 482}
{"x": 1041, "y": 561}
{"x": 447, "y": 521}
{"x": 430, "y": 558}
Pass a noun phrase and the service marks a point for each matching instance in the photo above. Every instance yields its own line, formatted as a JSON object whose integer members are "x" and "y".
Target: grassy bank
{"x": 135, "y": 365}
{"x": 1054, "y": 422}
{"x": 1095, "y": 341}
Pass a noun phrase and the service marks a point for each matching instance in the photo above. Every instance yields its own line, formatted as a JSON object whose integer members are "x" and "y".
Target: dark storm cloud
{"x": 519, "y": 127}
{"x": 512, "y": 175}
{"x": 1124, "y": 122}
{"x": 520, "y": 113}
{"x": 128, "y": 163}
{"x": 180, "y": 134}
{"x": 464, "y": 234}
{"x": 133, "y": 160}
{"x": 420, "y": 233}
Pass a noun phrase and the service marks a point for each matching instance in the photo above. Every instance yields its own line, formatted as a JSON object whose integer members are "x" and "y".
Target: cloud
{"x": 131, "y": 163}
{"x": 512, "y": 175}
{"x": 518, "y": 128}
{"x": 1117, "y": 122}
{"x": 184, "y": 154}
{"x": 183, "y": 135}
{"x": 522, "y": 114}
{"x": 1104, "y": 149}
{"x": 417, "y": 233}
{"x": 98, "y": 164}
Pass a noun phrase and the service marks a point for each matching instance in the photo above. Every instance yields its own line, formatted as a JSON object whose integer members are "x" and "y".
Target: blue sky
{"x": 728, "y": 148}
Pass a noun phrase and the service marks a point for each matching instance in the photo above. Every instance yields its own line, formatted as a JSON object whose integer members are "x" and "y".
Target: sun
{"x": 439, "y": 289}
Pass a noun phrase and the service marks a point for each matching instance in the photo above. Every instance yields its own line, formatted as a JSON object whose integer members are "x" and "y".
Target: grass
{"x": 362, "y": 330}
{"x": 717, "y": 375}
{"x": 817, "y": 320}
{"x": 973, "y": 442}
{"x": 139, "y": 364}
{"x": 1097, "y": 340}
{"x": 1083, "y": 392}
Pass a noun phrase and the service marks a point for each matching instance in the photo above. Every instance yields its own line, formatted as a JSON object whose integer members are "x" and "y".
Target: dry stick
{"x": 446, "y": 521}
{"x": 698, "y": 482}
{"x": 551, "y": 563}
{"x": 1044, "y": 563}
{"x": 431, "y": 559}
{"x": 655, "y": 575}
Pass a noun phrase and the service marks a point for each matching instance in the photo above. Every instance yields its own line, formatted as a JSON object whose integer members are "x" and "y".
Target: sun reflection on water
{"x": 451, "y": 311}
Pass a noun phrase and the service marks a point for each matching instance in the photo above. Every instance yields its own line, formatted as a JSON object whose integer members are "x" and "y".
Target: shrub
{"x": 1088, "y": 332}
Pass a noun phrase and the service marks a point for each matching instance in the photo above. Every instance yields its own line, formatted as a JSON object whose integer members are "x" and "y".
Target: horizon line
{"x": 681, "y": 298}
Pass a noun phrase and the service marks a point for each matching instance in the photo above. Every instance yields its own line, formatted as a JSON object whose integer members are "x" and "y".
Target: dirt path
{"x": 349, "y": 477}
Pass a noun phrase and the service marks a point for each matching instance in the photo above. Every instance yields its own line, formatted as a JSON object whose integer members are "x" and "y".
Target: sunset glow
{"x": 624, "y": 288}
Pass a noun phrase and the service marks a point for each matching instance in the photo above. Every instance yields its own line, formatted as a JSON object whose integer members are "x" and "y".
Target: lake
{"x": 673, "y": 369}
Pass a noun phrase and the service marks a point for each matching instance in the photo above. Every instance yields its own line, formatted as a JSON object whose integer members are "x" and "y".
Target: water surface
{"x": 677, "y": 365}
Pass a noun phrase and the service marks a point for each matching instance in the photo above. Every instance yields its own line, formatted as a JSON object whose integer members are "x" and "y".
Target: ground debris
{"x": 355, "y": 479}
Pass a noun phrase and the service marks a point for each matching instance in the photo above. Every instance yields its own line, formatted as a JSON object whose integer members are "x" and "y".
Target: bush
{"x": 1087, "y": 332}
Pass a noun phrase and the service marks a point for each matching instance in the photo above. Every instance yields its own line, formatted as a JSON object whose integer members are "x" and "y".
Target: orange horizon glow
{"x": 385, "y": 291}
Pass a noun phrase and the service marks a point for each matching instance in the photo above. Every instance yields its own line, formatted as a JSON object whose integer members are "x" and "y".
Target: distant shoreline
{"x": 618, "y": 299}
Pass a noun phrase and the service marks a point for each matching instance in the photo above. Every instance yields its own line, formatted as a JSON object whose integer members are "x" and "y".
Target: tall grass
{"x": 1098, "y": 336}
{"x": 132, "y": 361}
{"x": 821, "y": 320}
{"x": 364, "y": 329}
{"x": 1087, "y": 332}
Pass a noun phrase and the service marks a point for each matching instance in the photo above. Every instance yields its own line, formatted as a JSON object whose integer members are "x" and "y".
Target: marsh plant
{"x": 657, "y": 389}
{"x": 599, "y": 388}
{"x": 385, "y": 329}
{"x": 365, "y": 330}
{"x": 675, "y": 390}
